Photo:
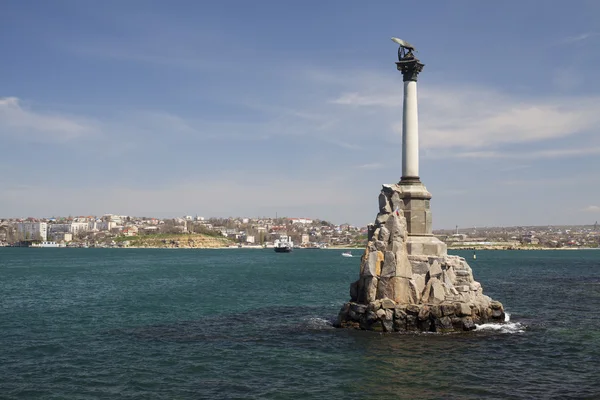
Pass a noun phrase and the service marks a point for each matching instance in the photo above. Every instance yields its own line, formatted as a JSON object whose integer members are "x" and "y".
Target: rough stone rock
{"x": 434, "y": 292}
{"x": 389, "y": 265}
{"x": 426, "y": 326}
{"x": 369, "y": 248}
{"x": 387, "y": 325}
{"x": 448, "y": 290}
{"x": 400, "y": 312}
{"x": 354, "y": 291}
{"x": 447, "y": 309}
{"x": 420, "y": 267}
{"x": 396, "y": 202}
{"x": 415, "y": 293}
{"x": 444, "y": 325}
{"x": 496, "y": 305}
{"x": 384, "y": 204}
{"x": 468, "y": 324}
{"x": 358, "y": 308}
{"x": 435, "y": 271}
{"x": 462, "y": 309}
{"x": 435, "y": 311}
{"x": 353, "y": 315}
{"x": 389, "y": 314}
{"x": 419, "y": 281}
{"x": 385, "y": 288}
{"x": 466, "y": 297}
{"x": 402, "y": 291}
{"x": 411, "y": 323}
{"x": 449, "y": 277}
{"x": 371, "y": 316}
{"x": 380, "y": 246}
{"x": 424, "y": 313}
{"x": 381, "y": 218}
{"x": 384, "y": 234}
{"x": 418, "y": 258}
{"x": 400, "y": 324}
{"x": 403, "y": 266}
{"x": 380, "y": 313}
{"x": 375, "y": 236}
{"x": 379, "y": 265}
{"x": 371, "y": 289}
{"x": 413, "y": 309}
{"x": 387, "y": 303}
{"x": 396, "y": 224}
{"x": 457, "y": 323}
{"x": 364, "y": 260}
{"x": 374, "y": 305}
{"x": 370, "y": 268}
{"x": 370, "y": 231}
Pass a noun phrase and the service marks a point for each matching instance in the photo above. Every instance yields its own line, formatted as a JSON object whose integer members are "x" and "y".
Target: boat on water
{"x": 45, "y": 244}
{"x": 347, "y": 254}
{"x": 283, "y": 245}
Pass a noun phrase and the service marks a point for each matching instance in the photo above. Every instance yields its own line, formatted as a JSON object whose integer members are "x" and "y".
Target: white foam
{"x": 506, "y": 327}
{"x": 319, "y": 323}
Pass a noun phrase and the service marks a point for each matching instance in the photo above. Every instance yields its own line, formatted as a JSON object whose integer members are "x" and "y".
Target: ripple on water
{"x": 226, "y": 324}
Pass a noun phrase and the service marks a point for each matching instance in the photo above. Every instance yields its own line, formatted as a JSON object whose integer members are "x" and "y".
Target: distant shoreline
{"x": 466, "y": 248}
{"x": 521, "y": 248}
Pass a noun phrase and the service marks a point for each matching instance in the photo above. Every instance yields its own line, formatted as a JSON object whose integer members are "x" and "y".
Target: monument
{"x": 407, "y": 281}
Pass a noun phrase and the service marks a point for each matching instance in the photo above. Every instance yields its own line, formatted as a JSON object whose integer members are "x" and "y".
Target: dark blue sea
{"x": 255, "y": 324}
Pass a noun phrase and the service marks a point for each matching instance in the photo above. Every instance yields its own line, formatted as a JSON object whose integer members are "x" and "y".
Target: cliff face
{"x": 398, "y": 291}
{"x": 192, "y": 241}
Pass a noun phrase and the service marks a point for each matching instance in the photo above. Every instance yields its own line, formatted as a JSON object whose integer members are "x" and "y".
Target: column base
{"x": 410, "y": 180}
{"x": 429, "y": 246}
{"x": 416, "y": 207}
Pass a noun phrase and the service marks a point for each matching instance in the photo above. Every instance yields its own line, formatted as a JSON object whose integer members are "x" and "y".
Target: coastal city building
{"x": 250, "y": 231}
{"x": 32, "y": 231}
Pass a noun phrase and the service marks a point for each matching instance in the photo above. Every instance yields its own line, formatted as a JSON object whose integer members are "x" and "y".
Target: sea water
{"x": 251, "y": 324}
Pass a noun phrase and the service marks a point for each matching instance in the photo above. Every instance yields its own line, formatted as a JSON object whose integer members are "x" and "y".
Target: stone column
{"x": 410, "y": 68}
{"x": 414, "y": 195}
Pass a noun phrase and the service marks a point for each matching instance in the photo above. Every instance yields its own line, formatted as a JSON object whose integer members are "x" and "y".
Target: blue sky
{"x": 239, "y": 108}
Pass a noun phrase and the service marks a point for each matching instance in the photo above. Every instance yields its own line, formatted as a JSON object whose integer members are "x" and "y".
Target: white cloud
{"x": 529, "y": 155}
{"x": 476, "y": 119}
{"x": 592, "y": 209}
{"x": 455, "y": 121}
{"x": 577, "y": 38}
{"x": 356, "y": 99}
{"x": 371, "y": 166}
{"x": 16, "y": 120}
{"x": 480, "y": 120}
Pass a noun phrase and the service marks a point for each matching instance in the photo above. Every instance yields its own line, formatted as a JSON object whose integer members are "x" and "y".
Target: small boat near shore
{"x": 283, "y": 245}
{"x": 347, "y": 254}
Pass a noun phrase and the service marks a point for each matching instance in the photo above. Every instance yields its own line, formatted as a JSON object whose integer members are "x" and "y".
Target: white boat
{"x": 283, "y": 245}
{"x": 347, "y": 254}
{"x": 45, "y": 244}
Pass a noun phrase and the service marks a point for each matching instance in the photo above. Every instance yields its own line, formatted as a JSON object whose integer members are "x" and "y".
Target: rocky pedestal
{"x": 420, "y": 290}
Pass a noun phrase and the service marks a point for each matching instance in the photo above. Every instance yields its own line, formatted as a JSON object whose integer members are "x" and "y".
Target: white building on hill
{"x": 32, "y": 230}
{"x": 304, "y": 221}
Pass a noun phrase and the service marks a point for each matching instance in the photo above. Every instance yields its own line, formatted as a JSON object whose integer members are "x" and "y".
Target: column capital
{"x": 410, "y": 66}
